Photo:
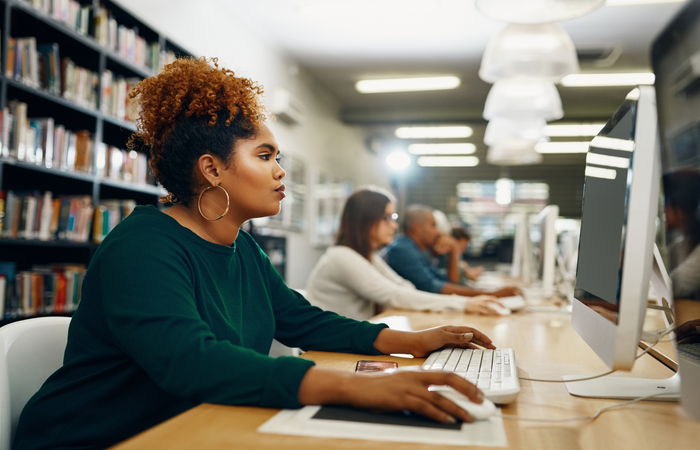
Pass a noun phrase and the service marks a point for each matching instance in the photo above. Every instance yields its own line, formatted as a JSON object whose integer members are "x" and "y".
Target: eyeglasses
{"x": 390, "y": 217}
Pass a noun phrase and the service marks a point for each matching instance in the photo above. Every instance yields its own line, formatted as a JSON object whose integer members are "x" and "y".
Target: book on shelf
{"x": 33, "y": 215}
{"x": 114, "y": 99}
{"x": 43, "y": 289}
{"x": 108, "y": 214}
{"x": 118, "y": 164}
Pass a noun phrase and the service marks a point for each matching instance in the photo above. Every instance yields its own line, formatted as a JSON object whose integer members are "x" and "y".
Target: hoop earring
{"x": 199, "y": 203}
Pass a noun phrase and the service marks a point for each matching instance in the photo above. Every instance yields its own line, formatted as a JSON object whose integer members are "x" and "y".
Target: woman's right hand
{"x": 397, "y": 390}
{"x": 481, "y": 304}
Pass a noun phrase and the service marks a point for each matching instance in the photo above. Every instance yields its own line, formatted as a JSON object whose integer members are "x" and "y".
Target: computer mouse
{"x": 500, "y": 309}
{"x": 478, "y": 411}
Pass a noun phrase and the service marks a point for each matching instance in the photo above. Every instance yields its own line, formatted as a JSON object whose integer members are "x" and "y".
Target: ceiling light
{"x": 562, "y": 147}
{"x": 448, "y": 161}
{"x": 573, "y": 129}
{"x": 607, "y": 160}
{"x": 442, "y": 149}
{"x": 537, "y": 11}
{"x": 434, "y": 132}
{"x": 513, "y": 152}
{"x": 520, "y": 128}
{"x": 398, "y": 160}
{"x": 639, "y": 2}
{"x": 612, "y": 143}
{"x": 522, "y": 97}
{"x": 599, "y": 172}
{"x": 536, "y": 51}
{"x": 607, "y": 79}
{"x": 407, "y": 84}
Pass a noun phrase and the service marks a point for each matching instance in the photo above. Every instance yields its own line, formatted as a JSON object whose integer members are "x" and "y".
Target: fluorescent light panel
{"x": 448, "y": 161}
{"x": 562, "y": 147}
{"x": 612, "y": 143}
{"x": 573, "y": 129}
{"x": 434, "y": 132}
{"x": 607, "y": 79}
{"x": 599, "y": 172}
{"x": 407, "y": 84}
{"x": 442, "y": 149}
{"x": 607, "y": 160}
{"x": 639, "y": 2}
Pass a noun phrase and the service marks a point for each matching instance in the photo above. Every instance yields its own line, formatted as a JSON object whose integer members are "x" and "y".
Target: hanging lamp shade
{"x": 524, "y": 128}
{"x": 536, "y": 11}
{"x": 513, "y": 152}
{"x": 522, "y": 97}
{"x": 541, "y": 51}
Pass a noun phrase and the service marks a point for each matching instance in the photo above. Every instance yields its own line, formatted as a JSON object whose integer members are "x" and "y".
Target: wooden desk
{"x": 546, "y": 347}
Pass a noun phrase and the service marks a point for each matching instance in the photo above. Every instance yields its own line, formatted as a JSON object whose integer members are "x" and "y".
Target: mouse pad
{"x": 350, "y": 414}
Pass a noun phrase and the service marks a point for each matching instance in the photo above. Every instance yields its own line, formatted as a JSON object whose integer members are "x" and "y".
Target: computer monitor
{"x": 615, "y": 257}
{"x": 676, "y": 61}
{"x": 547, "y": 258}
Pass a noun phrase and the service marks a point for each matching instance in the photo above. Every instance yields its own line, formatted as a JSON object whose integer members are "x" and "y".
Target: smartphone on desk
{"x": 375, "y": 366}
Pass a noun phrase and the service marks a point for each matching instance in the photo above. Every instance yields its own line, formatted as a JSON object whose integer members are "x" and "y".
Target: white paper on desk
{"x": 488, "y": 432}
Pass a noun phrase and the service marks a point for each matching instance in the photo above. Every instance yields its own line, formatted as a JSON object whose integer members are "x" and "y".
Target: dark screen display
{"x": 601, "y": 245}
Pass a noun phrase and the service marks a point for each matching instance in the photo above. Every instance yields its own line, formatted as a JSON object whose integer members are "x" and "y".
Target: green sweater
{"x": 167, "y": 321}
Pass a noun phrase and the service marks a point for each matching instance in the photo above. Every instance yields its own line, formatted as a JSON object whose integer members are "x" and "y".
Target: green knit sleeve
{"x": 148, "y": 296}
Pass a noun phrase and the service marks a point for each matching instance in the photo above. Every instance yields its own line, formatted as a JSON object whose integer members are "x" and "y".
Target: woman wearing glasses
{"x": 350, "y": 278}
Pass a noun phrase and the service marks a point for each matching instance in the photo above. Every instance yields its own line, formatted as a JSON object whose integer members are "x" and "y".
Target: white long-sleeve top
{"x": 345, "y": 282}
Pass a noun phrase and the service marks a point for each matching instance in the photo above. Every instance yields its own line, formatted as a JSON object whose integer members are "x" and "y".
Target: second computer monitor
{"x": 548, "y": 248}
{"x": 615, "y": 255}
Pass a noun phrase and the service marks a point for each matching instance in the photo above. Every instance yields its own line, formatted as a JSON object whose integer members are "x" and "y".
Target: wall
{"x": 211, "y": 28}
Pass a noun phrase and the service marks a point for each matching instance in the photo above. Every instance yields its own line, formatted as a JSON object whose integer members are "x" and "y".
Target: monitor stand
{"x": 631, "y": 388}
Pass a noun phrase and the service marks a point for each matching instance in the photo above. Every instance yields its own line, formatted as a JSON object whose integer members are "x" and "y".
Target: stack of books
{"x": 69, "y": 12}
{"x": 108, "y": 214}
{"x": 114, "y": 99}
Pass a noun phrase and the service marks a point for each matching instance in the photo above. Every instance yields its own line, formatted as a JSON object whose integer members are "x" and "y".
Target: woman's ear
{"x": 209, "y": 169}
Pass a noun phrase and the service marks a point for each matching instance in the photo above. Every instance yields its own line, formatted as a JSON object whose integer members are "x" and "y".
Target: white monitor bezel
{"x": 616, "y": 344}
{"x": 548, "y": 247}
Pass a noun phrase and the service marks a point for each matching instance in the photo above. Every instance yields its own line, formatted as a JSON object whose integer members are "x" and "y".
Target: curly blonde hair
{"x": 190, "y": 108}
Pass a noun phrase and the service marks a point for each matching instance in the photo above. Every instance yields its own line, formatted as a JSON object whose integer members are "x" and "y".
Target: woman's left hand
{"x": 422, "y": 343}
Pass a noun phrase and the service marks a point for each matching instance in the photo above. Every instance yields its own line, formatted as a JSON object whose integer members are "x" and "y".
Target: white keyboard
{"x": 492, "y": 371}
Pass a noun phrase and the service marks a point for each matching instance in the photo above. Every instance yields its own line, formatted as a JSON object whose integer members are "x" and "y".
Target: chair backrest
{"x": 30, "y": 351}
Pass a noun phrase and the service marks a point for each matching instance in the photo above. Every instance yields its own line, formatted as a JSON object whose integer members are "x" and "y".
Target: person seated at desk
{"x": 179, "y": 307}
{"x": 350, "y": 278}
{"x": 465, "y": 273}
{"x": 405, "y": 256}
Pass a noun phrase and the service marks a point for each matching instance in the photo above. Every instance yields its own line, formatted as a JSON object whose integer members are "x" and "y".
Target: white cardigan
{"x": 345, "y": 282}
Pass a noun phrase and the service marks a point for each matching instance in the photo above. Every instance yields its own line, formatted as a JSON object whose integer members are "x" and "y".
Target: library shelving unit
{"x": 21, "y": 19}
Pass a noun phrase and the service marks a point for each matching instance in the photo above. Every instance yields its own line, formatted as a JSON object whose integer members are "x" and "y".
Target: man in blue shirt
{"x": 405, "y": 255}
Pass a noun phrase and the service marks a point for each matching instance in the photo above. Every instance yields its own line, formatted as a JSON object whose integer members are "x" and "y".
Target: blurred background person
{"x": 350, "y": 278}
{"x": 405, "y": 255}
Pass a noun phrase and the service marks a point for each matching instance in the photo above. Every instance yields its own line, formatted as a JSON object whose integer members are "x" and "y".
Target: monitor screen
{"x": 605, "y": 203}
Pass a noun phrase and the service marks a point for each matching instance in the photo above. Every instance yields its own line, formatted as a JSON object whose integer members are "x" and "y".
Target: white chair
{"x": 31, "y": 350}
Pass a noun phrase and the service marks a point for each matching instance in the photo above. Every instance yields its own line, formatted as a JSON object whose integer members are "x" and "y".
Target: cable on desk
{"x": 594, "y": 416}
{"x": 665, "y": 332}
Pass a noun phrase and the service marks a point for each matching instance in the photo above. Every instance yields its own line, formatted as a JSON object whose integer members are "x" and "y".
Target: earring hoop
{"x": 199, "y": 203}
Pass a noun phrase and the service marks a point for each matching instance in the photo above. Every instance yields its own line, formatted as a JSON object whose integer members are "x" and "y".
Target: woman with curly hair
{"x": 180, "y": 307}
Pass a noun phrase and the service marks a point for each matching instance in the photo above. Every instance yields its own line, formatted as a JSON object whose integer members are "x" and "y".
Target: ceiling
{"x": 340, "y": 42}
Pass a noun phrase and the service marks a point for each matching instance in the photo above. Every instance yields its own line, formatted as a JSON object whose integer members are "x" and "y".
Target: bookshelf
{"x": 108, "y": 49}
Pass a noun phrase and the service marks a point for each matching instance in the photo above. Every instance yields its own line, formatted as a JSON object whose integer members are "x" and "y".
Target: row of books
{"x": 117, "y": 164}
{"x": 44, "y": 289}
{"x": 114, "y": 100}
{"x": 69, "y": 12}
{"x": 99, "y": 23}
{"x": 41, "y": 141}
{"x": 32, "y": 215}
{"x": 39, "y": 65}
{"x": 108, "y": 214}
